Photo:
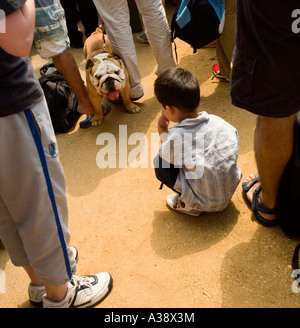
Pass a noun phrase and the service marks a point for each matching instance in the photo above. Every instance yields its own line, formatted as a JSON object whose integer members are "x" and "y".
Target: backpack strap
{"x": 53, "y": 77}
{"x": 173, "y": 37}
{"x": 175, "y": 50}
{"x": 46, "y": 67}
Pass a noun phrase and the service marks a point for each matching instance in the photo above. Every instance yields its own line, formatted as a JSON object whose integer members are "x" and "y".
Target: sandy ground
{"x": 120, "y": 222}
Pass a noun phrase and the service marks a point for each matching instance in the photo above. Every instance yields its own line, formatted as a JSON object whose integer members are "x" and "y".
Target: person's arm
{"x": 18, "y": 37}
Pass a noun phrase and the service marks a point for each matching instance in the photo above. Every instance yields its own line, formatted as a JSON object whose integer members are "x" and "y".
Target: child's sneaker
{"x": 36, "y": 292}
{"x": 83, "y": 292}
{"x": 179, "y": 206}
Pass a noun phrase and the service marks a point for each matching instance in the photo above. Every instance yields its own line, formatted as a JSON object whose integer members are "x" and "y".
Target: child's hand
{"x": 162, "y": 124}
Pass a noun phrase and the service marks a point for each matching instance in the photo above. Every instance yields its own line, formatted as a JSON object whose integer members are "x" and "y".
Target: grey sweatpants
{"x": 33, "y": 205}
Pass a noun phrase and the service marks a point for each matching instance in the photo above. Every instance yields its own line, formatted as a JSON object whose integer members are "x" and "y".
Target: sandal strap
{"x": 256, "y": 205}
{"x": 248, "y": 185}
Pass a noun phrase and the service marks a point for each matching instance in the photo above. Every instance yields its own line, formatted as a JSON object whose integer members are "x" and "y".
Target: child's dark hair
{"x": 179, "y": 88}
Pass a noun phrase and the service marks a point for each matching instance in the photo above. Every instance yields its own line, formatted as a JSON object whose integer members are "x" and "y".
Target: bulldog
{"x": 106, "y": 75}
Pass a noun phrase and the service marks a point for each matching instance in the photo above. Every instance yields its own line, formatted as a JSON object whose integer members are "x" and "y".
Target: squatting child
{"x": 198, "y": 156}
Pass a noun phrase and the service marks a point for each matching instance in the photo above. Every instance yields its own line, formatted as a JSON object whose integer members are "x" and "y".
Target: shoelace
{"x": 83, "y": 281}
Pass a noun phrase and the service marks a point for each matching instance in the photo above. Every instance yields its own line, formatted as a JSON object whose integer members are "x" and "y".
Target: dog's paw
{"x": 134, "y": 109}
{"x": 96, "y": 121}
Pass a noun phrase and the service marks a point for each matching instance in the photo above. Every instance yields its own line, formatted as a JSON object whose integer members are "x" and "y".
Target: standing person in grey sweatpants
{"x": 33, "y": 204}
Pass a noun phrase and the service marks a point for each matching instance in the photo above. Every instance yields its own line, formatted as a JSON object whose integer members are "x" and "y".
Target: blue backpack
{"x": 198, "y": 22}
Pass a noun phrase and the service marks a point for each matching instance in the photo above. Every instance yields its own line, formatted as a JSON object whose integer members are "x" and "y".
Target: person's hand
{"x": 162, "y": 124}
{"x": 163, "y": 127}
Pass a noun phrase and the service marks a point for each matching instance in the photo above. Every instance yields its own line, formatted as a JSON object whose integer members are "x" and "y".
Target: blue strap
{"x": 183, "y": 15}
{"x": 219, "y": 7}
{"x": 41, "y": 153}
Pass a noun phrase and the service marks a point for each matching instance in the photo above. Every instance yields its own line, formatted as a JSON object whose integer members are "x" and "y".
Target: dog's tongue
{"x": 113, "y": 95}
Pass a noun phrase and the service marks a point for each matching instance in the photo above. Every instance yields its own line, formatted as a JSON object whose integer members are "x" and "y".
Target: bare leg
{"x": 66, "y": 65}
{"x": 32, "y": 275}
{"x": 54, "y": 293}
{"x": 273, "y": 146}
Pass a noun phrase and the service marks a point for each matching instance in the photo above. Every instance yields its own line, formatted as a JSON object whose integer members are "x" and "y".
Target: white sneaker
{"x": 178, "y": 205}
{"x": 36, "y": 292}
{"x": 83, "y": 292}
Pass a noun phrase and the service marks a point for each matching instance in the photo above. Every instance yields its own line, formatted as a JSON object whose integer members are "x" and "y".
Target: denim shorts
{"x": 51, "y": 33}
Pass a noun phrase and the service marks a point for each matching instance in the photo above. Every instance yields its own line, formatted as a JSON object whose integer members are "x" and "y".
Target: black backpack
{"x": 60, "y": 98}
{"x": 288, "y": 199}
{"x": 198, "y": 22}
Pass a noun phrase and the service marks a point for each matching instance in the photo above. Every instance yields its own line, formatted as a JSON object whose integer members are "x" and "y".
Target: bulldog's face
{"x": 107, "y": 74}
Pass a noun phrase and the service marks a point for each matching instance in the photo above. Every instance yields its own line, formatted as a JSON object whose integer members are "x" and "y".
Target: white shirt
{"x": 206, "y": 151}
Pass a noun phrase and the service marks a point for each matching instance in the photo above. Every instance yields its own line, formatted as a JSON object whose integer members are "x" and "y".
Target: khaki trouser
{"x": 226, "y": 42}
